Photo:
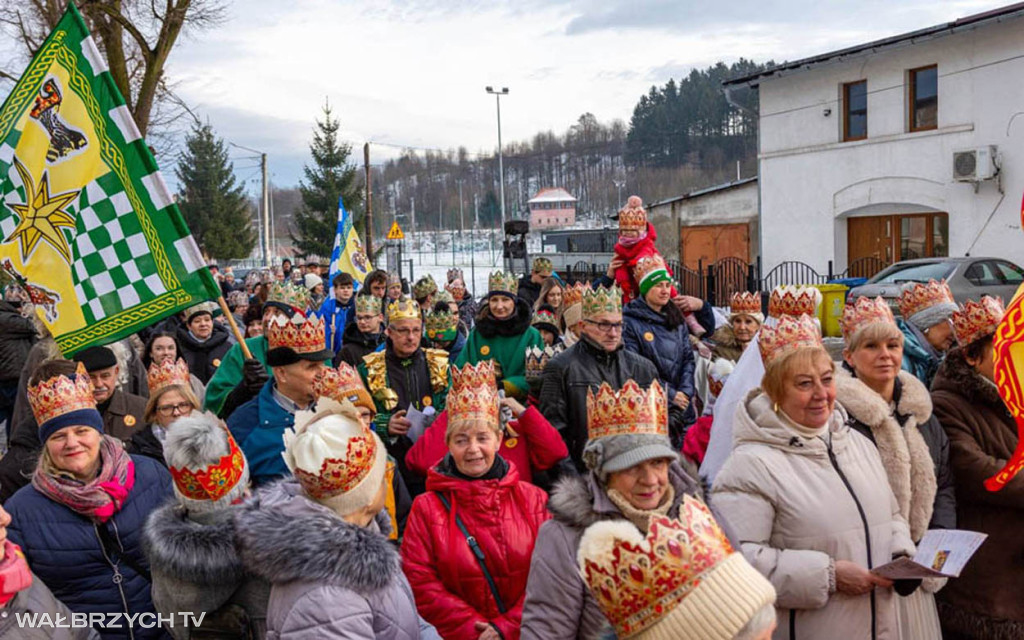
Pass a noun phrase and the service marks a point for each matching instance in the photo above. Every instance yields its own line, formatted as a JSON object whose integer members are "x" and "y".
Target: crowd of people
{"x": 547, "y": 460}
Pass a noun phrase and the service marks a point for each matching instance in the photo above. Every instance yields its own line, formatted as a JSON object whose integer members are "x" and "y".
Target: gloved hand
{"x": 254, "y": 375}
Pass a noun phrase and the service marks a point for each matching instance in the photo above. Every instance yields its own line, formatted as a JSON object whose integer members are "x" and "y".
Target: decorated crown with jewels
{"x": 602, "y": 300}
{"x": 203, "y": 307}
{"x": 167, "y": 373}
{"x": 339, "y": 475}
{"x": 288, "y": 294}
{"x": 212, "y": 482}
{"x": 745, "y": 303}
{"x": 537, "y": 359}
{"x": 341, "y": 384}
{"x": 61, "y": 395}
{"x": 637, "y": 582}
{"x": 473, "y": 395}
{"x": 574, "y": 294}
{"x": 300, "y": 334}
{"x": 424, "y": 287}
{"x": 368, "y": 305}
{"x": 975, "y": 320}
{"x": 648, "y": 265}
{"x": 921, "y": 296}
{"x": 633, "y": 217}
{"x": 793, "y": 301}
{"x": 628, "y": 411}
{"x": 403, "y": 309}
{"x": 503, "y": 281}
{"x": 787, "y": 336}
{"x": 441, "y": 324}
{"x": 543, "y": 266}
{"x": 543, "y": 316}
{"x": 863, "y": 312}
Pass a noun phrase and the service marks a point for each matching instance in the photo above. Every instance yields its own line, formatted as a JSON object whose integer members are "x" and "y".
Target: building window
{"x": 855, "y": 110}
{"x": 924, "y": 98}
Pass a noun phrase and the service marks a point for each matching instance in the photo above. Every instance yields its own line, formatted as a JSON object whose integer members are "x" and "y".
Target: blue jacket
{"x": 919, "y": 357}
{"x": 258, "y": 427}
{"x": 64, "y": 550}
{"x": 336, "y": 317}
{"x": 646, "y": 332}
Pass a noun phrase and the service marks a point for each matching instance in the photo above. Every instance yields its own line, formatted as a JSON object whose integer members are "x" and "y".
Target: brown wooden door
{"x": 710, "y": 243}
{"x": 869, "y": 237}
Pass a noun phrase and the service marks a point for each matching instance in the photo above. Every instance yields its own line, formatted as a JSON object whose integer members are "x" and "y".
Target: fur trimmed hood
{"x": 905, "y": 455}
{"x": 196, "y": 552}
{"x": 284, "y": 536}
{"x": 959, "y": 378}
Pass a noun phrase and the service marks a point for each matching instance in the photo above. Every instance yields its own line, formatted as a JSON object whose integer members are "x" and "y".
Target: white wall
{"x": 811, "y": 182}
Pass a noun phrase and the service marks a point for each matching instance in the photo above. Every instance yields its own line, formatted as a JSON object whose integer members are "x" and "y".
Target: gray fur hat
{"x": 616, "y": 453}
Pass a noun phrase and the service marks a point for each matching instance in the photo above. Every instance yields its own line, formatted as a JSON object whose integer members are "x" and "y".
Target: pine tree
{"x": 330, "y": 176}
{"x": 213, "y": 204}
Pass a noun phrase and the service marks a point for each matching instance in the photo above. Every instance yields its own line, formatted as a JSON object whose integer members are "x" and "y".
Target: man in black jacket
{"x": 529, "y": 286}
{"x": 597, "y": 357}
{"x": 17, "y": 335}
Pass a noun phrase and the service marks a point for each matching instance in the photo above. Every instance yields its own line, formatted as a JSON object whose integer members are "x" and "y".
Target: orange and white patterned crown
{"x": 865, "y": 311}
{"x": 922, "y": 296}
{"x": 640, "y": 581}
{"x": 628, "y": 411}
{"x": 300, "y": 334}
{"x": 602, "y": 300}
{"x": 574, "y": 294}
{"x": 975, "y": 320}
{"x": 793, "y": 301}
{"x": 404, "y": 309}
{"x": 633, "y": 217}
{"x": 473, "y": 395}
{"x": 745, "y": 303}
{"x": 787, "y": 336}
{"x": 214, "y": 481}
{"x": 343, "y": 384}
{"x": 60, "y": 395}
{"x": 537, "y": 359}
{"x": 647, "y": 265}
{"x": 168, "y": 373}
{"x": 369, "y": 305}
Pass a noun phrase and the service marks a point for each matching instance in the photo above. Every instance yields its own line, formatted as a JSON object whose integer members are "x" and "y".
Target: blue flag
{"x": 348, "y": 254}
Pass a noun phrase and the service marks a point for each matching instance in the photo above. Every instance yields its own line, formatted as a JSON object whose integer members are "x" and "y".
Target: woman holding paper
{"x": 808, "y": 496}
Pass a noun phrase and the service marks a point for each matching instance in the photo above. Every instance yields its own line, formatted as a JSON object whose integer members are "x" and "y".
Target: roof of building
{"x": 552, "y": 194}
{"x": 912, "y": 37}
{"x": 704, "y": 192}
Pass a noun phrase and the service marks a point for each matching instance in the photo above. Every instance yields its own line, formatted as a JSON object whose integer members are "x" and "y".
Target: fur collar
{"x": 190, "y": 551}
{"x": 905, "y": 455}
{"x": 958, "y": 378}
{"x": 514, "y": 325}
{"x": 283, "y": 536}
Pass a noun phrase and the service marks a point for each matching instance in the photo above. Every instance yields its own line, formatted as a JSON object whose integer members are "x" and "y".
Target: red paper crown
{"x": 214, "y": 481}
{"x": 343, "y": 384}
{"x": 787, "y": 336}
{"x": 632, "y": 217}
{"x": 631, "y": 410}
{"x": 793, "y": 301}
{"x": 301, "y": 335}
{"x": 168, "y": 373}
{"x": 574, "y": 294}
{"x": 745, "y": 303}
{"x": 921, "y": 296}
{"x": 647, "y": 265}
{"x": 473, "y": 395}
{"x": 863, "y": 312}
{"x": 60, "y": 395}
{"x": 977, "y": 319}
{"x": 341, "y": 475}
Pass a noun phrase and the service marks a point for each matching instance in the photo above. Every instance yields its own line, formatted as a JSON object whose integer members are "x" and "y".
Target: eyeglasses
{"x": 606, "y": 327}
{"x": 171, "y": 409}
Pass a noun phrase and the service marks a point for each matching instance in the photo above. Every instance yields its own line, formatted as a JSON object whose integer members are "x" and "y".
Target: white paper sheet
{"x": 941, "y": 552}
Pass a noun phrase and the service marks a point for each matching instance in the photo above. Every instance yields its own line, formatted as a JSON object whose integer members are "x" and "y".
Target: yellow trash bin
{"x": 833, "y": 299}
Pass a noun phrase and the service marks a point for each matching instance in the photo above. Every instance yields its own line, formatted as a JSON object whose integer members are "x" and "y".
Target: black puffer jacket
{"x": 356, "y": 344}
{"x": 17, "y": 335}
{"x": 203, "y": 358}
{"x": 528, "y": 290}
{"x": 568, "y": 376}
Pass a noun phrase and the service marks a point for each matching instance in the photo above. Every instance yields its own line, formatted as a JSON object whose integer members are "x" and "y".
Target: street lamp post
{"x": 619, "y": 184}
{"x": 501, "y": 162}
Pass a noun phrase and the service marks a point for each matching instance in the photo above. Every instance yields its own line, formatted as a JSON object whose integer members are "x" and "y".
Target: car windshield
{"x": 914, "y": 273}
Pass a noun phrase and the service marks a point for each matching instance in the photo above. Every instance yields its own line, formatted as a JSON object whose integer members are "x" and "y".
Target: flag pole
{"x": 234, "y": 327}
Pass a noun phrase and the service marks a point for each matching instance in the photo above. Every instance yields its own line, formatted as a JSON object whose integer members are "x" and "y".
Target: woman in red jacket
{"x": 473, "y": 493}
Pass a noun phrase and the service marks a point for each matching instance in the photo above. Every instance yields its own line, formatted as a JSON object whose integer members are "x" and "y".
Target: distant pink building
{"x": 554, "y": 207}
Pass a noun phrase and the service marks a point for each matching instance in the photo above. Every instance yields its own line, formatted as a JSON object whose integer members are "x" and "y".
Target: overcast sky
{"x": 412, "y": 72}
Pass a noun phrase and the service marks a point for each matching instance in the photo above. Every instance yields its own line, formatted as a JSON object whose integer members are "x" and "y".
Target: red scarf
{"x": 99, "y": 498}
{"x": 15, "y": 575}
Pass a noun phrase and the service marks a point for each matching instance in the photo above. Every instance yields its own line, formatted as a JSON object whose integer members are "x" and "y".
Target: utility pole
{"x": 369, "y": 203}
{"x": 412, "y": 204}
{"x": 266, "y": 211}
{"x": 501, "y": 161}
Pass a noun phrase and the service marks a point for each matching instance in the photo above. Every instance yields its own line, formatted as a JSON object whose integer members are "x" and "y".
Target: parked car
{"x": 968, "y": 278}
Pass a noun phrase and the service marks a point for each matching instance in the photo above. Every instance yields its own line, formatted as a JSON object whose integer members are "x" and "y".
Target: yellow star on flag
{"x": 42, "y": 216}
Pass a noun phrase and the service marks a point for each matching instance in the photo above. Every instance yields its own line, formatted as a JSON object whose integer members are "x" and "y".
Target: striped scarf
{"x": 101, "y": 497}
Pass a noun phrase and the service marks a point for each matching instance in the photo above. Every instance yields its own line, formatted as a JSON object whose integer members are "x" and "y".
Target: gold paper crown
{"x": 166, "y": 374}
{"x": 745, "y": 303}
{"x": 443, "y": 296}
{"x": 403, "y": 309}
{"x": 574, "y": 294}
{"x": 503, "y": 281}
{"x": 632, "y": 217}
{"x": 287, "y": 294}
{"x": 639, "y": 582}
{"x": 424, "y": 287}
{"x": 473, "y": 395}
{"x": 602, "y": 300}
{"x": 543, "y": 316}
{"x": 647, "y": 265}
{"x": 343, "y": 384}
{"x": 787, "y": 336}
{"x": 341, "y": 475}
{"x": 793, "y": 301}
{"x": 214, "y": 481}
{"x": 60, "y": 395}
{"x": 921, "y": 296}
{"x": 977, "y": 319}
{"x": 440, "y": 323}
{"x": 629, "y": 411}
{"x": 203, "y": 307}
{"x": 368, "y": 305}
{"x": 863, "y": 312}
{"x": 300, "y": 334}
{"x": 537, "y": 359}
{"x": 543, "y": 266}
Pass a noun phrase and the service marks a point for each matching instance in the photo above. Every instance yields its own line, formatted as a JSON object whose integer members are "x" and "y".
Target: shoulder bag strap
{"x": 478, "y": 553}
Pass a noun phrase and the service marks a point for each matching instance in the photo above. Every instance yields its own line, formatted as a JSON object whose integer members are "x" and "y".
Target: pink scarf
{"x": 99, "y": 498}
{"x": 14, "y": 572}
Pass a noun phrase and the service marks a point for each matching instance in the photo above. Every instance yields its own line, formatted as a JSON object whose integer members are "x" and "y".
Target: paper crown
{"x": 443, "y": 296}
{"x": 543, "y": 316}
{"x": 628, "y": 411}
{"x": 975, "y": 320}
{"x": 648, "y": 264}
{"x": 503, "y": 281}
{"x": 863, "y": 312}
{"x": 336, "y": 475}
{"x": 300, "y": 334}
{"x": 453, "y": 274}
{"x": 920, "y": 296}
{"x": 537, "y": 359}
{"x": 543, "y": 266}
{"x": 602, "y": 300}
{"x": 368, "y": 305}
{"x": 212, "y": 482}
{"x": 441, "y": 325}
{"x": 167, "y": 373}
{"x": 787, "y": 336}
{"x": 403, "y": 309}
{"x": 203, "y": 307}
{"x": 473, "y": 395}
{"x": 394, "y": 278}
{"x": 60, "y": 395}
{"x": 574, "y": 294}
{"x": 632, "y": 217}
{"x": 793, "y": 301}
{"x": 289, "y": 295}
{"x": 237, "y": 297}
{"x": 424, "y": 287}
{"x": 745, "y": 303}
{"x": 343, "y": 384}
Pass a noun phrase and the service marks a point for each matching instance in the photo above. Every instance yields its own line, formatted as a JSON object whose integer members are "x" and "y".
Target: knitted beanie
{"x": 210, "y": 472}
{"x": 927, "y": 318}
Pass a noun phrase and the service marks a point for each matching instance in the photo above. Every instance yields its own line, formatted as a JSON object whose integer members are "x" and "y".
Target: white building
{"x": 856, "y": 148}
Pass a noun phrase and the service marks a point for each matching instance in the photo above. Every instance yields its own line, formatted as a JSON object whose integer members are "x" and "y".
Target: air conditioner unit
{"x": 975, "y": 165}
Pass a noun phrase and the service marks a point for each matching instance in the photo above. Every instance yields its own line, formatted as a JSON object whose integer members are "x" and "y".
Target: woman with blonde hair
{"x": 170, "y": 398}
